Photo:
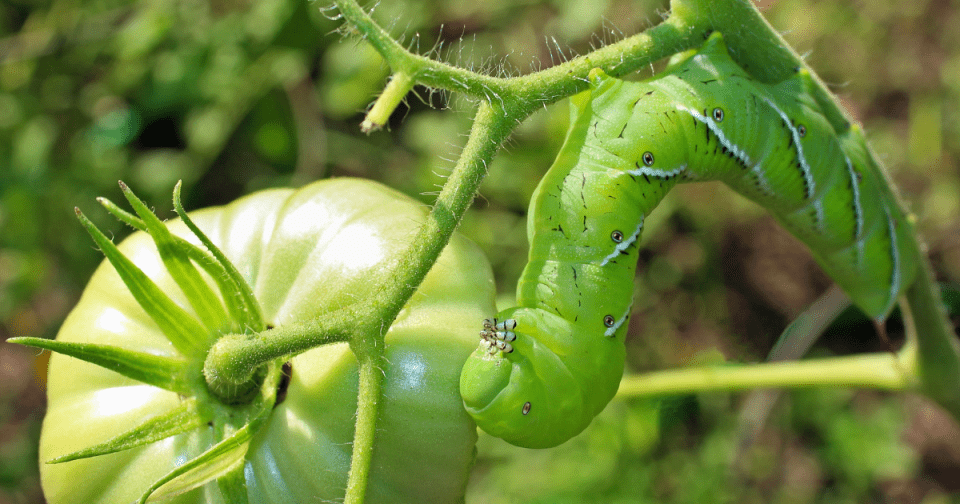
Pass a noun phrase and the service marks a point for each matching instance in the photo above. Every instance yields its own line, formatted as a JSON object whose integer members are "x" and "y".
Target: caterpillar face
{"x": 545, "y": 368}
{"x": 522, "y": 393}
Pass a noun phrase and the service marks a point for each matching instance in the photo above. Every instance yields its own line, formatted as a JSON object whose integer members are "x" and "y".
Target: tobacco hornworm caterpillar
{"x": 545, "y": 368}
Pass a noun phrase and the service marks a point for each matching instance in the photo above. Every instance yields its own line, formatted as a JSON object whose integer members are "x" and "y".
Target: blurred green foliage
{"x": 234, "y": 95}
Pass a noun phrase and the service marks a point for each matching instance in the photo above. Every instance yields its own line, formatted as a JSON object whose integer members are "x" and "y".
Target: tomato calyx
{"x": 236, "y": 413}
{"x": 240, "y": 394}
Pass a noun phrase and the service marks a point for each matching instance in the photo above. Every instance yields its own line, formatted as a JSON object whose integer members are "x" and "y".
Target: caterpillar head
{"x": 542, "y": 393}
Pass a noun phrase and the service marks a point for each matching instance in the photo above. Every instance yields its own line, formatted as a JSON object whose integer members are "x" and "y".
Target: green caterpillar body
{"x": 545, "y": 368}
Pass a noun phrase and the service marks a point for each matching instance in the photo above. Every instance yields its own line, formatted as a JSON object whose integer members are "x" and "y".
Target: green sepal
{"x": 163, "y": 372}
{"x": 243, "y": 307}
{"x": 186, "y": 334}
{"x": 184, "y": 418}
{"x": 222, "y": 458}
{"x": 235, "y": 299}
{"x": 233, "y": 485}
{"x": 204, "y": 301}
{"x": 122, "y": 215}
{"x": 209, "y": 465}
{"x": 248, "y": 309}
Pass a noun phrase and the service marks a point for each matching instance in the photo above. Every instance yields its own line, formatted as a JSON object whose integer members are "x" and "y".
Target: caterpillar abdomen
{"x": 703, "y": 119}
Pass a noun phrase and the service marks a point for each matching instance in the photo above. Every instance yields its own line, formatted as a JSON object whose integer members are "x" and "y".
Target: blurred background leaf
{"x": 235, "y": 95}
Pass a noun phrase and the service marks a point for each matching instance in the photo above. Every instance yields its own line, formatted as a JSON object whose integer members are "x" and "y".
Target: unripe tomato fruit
{"x": 303, "y": 252}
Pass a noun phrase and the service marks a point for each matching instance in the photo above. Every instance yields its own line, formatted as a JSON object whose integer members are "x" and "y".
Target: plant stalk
{"x": 490, "y": 127}
{"x": 370, "y": 392}
{"x": 880, "y": 371}
{"x": 233, "y": 360}
{"x": 938, "y": 354}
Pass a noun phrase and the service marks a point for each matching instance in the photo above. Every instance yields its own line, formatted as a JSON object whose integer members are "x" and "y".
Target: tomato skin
{"x": 304, "y": 252}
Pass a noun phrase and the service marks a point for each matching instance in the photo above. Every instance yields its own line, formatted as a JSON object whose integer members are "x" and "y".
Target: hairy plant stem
{"x": 233, "y": 360}
{"x": 368, "y": 406}
{"x": 521, "y": 96}
{"x": 490, "y": 128}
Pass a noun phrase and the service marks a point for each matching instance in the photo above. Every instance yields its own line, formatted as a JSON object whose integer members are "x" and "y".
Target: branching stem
{"x": 232, "y": 361}
{"x": 489, "y": 129}
{"x": 398, "y": 87}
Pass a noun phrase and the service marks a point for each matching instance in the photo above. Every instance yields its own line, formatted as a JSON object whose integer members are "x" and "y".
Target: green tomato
{"x": 303, "y": 252}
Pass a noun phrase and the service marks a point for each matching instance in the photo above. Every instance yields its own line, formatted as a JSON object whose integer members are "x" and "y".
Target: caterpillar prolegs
{"x": 545, "y": 368}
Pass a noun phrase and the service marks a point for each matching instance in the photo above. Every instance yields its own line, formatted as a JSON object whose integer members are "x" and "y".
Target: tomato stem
{"x": 938, "y": 359}
{"x": 233, "y": 360}
{"x": 368, "y": 407}
{"x": 880, "y": 371}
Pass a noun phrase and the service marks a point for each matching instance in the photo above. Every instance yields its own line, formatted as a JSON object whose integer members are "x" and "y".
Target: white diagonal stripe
{"x": 804, "y": 167}
{"x": 624, "y": 244}
{"x": 655, "y": 173}
{"x": 724, "y": 141}
{"x": 857, "y": 209}
{"x": 613, "y": 329}
{"x": 741, "y": 154}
